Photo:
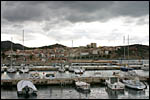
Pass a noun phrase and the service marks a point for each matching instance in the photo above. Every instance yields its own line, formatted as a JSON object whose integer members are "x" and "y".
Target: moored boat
{"x": 145, "y": 67}
{"x": 82, "y": 86}
{"x": 34, "y": 75}
{"x": 26, "y": 88}
{"x": 134, "y": 84}
{"x": 114, "y": 83}
{"x": 49, "y": 75}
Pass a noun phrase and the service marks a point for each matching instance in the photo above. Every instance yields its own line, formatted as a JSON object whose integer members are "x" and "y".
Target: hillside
{"x": 6, "y": 45}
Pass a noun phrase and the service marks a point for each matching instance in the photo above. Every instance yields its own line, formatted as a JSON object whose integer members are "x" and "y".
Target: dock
{"x": 63, "y": 81}
{"x": 85, "y": 67}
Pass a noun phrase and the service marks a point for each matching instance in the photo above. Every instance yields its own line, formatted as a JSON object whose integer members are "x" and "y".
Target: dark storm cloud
{"x": 73, "y": 11}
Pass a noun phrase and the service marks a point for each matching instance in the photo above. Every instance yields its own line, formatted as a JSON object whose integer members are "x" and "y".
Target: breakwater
{"x": 64, "y": 81}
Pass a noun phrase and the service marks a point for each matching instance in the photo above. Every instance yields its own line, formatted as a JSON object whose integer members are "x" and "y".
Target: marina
{"x": 74, "y": 50}
{"x": 69, "y": 92}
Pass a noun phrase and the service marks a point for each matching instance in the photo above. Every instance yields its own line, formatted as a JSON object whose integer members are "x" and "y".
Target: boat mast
{"x": 23, "y": 45}
{"x": 11, "y": 53}
{"x": 128, "y": 50}
{"x": 124, "y": 46}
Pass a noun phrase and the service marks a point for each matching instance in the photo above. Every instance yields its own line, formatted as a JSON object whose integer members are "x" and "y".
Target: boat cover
{"x": 81, "y": 83}
{"x": 21, "y": 84}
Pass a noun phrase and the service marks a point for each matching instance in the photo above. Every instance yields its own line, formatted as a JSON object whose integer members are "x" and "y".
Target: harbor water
{"x": 98, "y": 91}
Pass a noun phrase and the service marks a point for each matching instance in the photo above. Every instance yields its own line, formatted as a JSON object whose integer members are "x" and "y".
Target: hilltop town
{"x": 59, "y": 53}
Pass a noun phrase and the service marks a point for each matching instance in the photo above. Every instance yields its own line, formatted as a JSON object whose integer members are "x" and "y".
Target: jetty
{"x": 63, "y": 81}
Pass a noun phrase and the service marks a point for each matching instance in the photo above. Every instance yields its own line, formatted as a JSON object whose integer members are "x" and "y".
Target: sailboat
{"x": 133, "y": 83}
{"x": 11, "y": 70}
{"x": 26, "y": 88}
{"x": 61, "y": 69}
{"x": 125, "y": 68}
{"x": 24, "y": 68}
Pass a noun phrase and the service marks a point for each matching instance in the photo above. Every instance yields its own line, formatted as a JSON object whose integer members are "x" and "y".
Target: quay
{"x": 85, "y": 67}
{"x": 63, "y": 81}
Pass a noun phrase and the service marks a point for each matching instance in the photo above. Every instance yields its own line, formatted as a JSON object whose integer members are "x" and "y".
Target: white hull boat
{"x": 11, "y": 70}
{"x": 78, "y": 71}
{"x": 25, "y": 87}
{"x": 145, "y": 67}
{"x": 114, "y": 84}
{"x": 49, "y": 75}
{"x": 34, "y": 75}
{"x": 71, "y": 69}
{"x": 82, "y": 86}
{"x": 134, "y": 84}
{"x": 61, "y": 70}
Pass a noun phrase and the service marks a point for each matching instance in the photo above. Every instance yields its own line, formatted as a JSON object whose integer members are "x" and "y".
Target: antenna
{"x": 128, "y": 49}
{"x": 11, "y": 51}
{"x": 72, "y": 43}
{"x": 23, "y": 43}
{"x": 124, "y": 46}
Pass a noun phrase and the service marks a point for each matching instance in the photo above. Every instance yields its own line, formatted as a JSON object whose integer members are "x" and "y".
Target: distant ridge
{"x": 6, "y": 45}
{"x": 53, "y": 46}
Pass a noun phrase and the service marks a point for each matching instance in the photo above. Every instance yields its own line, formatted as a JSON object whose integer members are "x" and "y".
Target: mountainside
{"x": 136, "y": 51}
{"x": 53, "y": 46}
{"x": 6, "y": 45}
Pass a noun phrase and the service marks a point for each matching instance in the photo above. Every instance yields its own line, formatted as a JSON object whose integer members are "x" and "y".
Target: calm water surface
{"x": 69, "y": 92}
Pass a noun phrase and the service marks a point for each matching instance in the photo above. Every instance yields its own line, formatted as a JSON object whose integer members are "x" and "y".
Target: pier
{"x": 85, "y": 67}
{"x": 63, "y": 81}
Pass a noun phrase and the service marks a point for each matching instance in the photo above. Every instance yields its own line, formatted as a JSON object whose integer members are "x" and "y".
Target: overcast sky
{"x": 50, "y": 22}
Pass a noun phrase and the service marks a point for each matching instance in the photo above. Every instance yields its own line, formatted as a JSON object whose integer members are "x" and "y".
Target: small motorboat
{"x": 49, "y": 75}
{"x": 114, "y": 84}
{"x": 145, "y": 67}
{"x": 26, "y": 88}
{"x": 71, "y": 69}
{"x": 4, "y": 68}
{"x": 34, "y": 75}
{"x": 125, "y": 69}
{"x": 61, "y": 69}
{"x": 79, "y": 71}
{"x": 134, "y": 84}
{"x": 11, "y": 70}
{"x": 82, "y": 86}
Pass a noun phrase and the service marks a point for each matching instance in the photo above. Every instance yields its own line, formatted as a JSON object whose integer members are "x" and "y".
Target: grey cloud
{"x": 74, "y": 11}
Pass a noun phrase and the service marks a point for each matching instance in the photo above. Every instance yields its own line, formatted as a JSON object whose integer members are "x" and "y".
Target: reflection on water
{"x": 113, "y": 94}
{"x": 69, "y": 92}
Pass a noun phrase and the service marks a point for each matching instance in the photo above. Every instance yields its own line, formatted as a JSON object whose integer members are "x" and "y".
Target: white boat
{"x": 3, "y": 68}
{"x": 25, "y": 87}
{"x": 114, "y": 84}
{"x": 61, "y": 69}
{"x": 71, "y": 69}
{"x": 134, "y": 84}
{"x": 145, "y": 67}
{"x": 24, "y": 69}
{"x": 34, "y": 75}
{"x": 130, "y": 74}
{"x": 78, "y": 71}
{"x": 82, "y": 86}
{"x": 49, "y": 75}
{"x": 11, "y": 70}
